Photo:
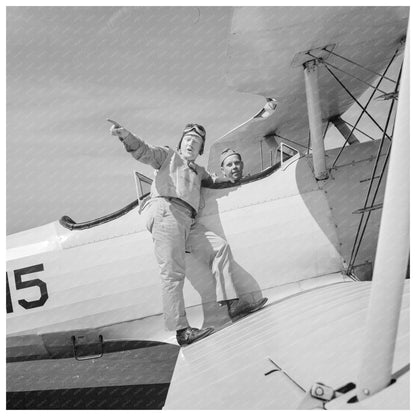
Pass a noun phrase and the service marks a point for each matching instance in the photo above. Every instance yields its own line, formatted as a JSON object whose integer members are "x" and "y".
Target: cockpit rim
{"x": 68, "y": 223}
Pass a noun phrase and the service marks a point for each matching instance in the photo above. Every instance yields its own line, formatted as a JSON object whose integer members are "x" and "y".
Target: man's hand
{"x": 118, "y": 130}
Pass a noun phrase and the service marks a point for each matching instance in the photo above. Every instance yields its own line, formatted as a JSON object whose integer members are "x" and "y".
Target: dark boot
{"x": 240, "y": 308}
{"x": 189, "y": 335}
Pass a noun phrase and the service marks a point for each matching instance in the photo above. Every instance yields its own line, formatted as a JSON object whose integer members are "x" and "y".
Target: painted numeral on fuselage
{"x": 20, "y": 284}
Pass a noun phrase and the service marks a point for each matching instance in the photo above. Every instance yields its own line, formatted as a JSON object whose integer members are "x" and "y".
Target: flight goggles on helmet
{"x": 198, "y": 129}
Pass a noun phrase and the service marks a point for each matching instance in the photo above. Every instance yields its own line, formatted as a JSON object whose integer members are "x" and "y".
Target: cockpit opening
{"x": 270, "y": 157}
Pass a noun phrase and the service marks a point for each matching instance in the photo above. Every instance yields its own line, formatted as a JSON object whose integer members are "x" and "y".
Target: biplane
{"x": 322, "y": 232}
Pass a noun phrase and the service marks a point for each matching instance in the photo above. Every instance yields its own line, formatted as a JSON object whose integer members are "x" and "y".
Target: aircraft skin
{"x": 269, "y": 45}
{"x": 291, "y": 237}
{"x": 107, "y": 274}
{"x": 104, "y": 280}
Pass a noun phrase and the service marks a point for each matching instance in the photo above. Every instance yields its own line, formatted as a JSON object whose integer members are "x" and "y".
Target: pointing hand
{"x": 118, "y": 130}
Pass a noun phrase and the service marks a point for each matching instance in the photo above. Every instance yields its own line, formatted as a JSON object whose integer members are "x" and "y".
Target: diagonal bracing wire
{"x": 359, "y": 79}
{"x": 360, "y": 233}
{"x": 358, "y": 103}
{"x": 365, "y": 107}
{"x": 363, "y": 223}
{"x": 359, "y": 65}
{"x": 359, "y": 131}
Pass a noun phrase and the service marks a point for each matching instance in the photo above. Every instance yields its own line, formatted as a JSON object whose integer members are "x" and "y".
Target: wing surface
{"x": 267, "y": 49}
{"x": 314, "y": 336}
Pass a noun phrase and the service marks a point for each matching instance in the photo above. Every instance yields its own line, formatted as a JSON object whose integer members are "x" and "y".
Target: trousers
{"x": 173, "y": 230}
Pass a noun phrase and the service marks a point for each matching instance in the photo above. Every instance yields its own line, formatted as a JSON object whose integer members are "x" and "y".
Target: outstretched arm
{"x": 139, "y": 149}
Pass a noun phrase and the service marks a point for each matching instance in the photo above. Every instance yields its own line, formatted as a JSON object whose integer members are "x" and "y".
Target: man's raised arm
{"x": 139, "y": 149}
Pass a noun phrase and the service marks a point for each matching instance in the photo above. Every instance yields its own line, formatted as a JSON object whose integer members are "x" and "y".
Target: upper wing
{"x": 269, "y": 45}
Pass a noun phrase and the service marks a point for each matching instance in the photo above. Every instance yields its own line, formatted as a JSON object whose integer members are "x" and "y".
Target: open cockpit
{"x": 262, "y": 164}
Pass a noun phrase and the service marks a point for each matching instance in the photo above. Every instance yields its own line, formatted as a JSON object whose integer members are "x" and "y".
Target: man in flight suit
{"x": 171, "y": 213}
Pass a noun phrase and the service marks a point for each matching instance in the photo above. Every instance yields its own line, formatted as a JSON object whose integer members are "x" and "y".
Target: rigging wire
{"x": 365, "y": 107}
{"x": 358, "y": 79}
{"x": 348, "y": 73}
{"x": 360, "y": 234}
{"x": 359, "y": 131}
{"x": 353, "y": 129}
{"x": 359, "y": 65}
{"x": 358, "y": 103}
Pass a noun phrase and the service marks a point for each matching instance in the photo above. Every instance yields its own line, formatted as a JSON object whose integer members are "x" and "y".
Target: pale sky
{"x": 153, "y": 69}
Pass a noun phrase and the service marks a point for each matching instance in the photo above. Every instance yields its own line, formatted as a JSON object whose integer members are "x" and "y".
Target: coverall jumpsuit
{"x": 171, "y": 212}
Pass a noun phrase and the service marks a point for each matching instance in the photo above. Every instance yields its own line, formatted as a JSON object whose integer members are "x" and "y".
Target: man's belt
{"x": 178, "y": 201}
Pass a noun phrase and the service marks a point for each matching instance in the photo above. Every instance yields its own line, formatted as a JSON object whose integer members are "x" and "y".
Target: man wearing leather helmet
{"x": 171, "y": 212}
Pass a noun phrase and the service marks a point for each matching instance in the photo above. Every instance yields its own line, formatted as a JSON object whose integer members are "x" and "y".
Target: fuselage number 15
{"x": 20, "y": 284}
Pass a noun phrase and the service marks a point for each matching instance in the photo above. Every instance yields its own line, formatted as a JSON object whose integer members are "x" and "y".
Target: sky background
{"x": 153, "y": 69}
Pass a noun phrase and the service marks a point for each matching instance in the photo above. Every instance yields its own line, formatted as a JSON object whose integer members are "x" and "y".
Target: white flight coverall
{"x": 171, "y": 210}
